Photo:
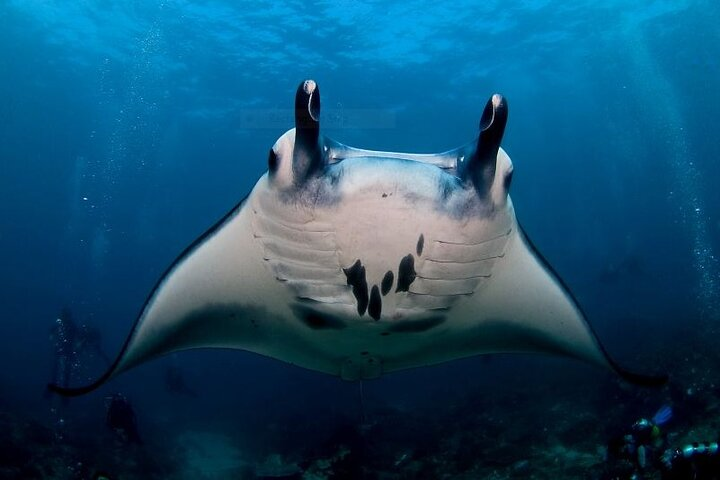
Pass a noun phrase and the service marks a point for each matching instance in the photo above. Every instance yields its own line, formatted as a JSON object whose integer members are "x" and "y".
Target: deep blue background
{"x": 127, "y": 128}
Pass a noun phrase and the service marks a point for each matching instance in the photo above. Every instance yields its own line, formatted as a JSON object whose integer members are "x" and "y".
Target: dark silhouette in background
{"x": 175, "y": 382}
{"x": 121, "y": 419}
{"x": 73, "y": 347}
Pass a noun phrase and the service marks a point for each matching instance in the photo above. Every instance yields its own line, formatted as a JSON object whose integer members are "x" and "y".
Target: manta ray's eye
{"x": 272, "y": 161}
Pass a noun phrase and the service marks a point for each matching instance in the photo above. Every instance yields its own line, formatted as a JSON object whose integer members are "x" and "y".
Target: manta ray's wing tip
{"x": 640, "y": 379}
{"x": 78, "y": 391}
{"x": 69, "y": 391}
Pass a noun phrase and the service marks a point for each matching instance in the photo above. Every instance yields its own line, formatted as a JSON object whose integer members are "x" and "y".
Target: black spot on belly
{"x": 316, "y": 320}
{"x": 356, "y": 279}
{"x": 375, "y": 307}
{"x": 508, "y": 180}
{"x": 414, "y": 326}
{"x": 387, "y": 282}
{"x": 406, "y": 273}
{"x": 420, "y": 244}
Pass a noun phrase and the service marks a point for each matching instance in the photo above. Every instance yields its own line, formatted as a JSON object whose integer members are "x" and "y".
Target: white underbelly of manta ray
{"x": 383, "y": 250}
{"x": 358, "y": 263}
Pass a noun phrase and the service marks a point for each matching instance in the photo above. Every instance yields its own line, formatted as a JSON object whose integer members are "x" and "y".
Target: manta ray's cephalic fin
{"x": 307, "y": 155}
{"x": 479, "y": 167}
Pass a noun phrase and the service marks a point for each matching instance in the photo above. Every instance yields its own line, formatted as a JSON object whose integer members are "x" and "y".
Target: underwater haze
{"x": 128, "y": 128}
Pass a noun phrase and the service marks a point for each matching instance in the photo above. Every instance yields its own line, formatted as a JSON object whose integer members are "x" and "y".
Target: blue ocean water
{"x": 128, "y": 128}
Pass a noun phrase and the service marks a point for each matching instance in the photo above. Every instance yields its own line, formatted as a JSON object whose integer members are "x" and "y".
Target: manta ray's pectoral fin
{"x": 528, "y": 308}
{"x": 214, "y": 295}
{"x": 593, "y": 350}
{"x": 480, "y": 166}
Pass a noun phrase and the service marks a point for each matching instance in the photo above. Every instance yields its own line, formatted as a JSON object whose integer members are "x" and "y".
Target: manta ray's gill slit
{"x": 439, "y": 295}
{"x": 291, "y": 214}
{"x": 298, "y": 266}
{"x": 454, "y": 270}
{"x": 320, "y": 291}
{"x": 444, "y": 287}
{"x": 446, "y": 279}
{"x": 266, "y": 227}
{"x": 278, "y": 249}
{"x": 426, "y": 302}
{"x": 503, "y": 235}
{"x": 469, "y": 262}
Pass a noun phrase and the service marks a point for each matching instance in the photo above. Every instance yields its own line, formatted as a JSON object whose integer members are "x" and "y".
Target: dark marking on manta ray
{"x": 226, "y": 316}
{"x": 387, "y": 282}
{"x": 384, "y": 195}
{"x": 356, "y": 279}
{"x": 406, "y": 273}
{"x": 272, "y": 161}
{"x": 508, "y": 180}
{"x": 415, "y": 326}
{"x": 316, "y": 320}
{"x": 420, "y": 244}
{"x": 375, "y": 307}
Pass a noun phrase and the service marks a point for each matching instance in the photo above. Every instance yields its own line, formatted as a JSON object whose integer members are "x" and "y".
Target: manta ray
{"x": 358, "y": 263}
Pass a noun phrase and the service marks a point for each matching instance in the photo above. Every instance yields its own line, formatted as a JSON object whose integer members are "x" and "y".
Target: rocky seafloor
{"x": 534, "y": 430}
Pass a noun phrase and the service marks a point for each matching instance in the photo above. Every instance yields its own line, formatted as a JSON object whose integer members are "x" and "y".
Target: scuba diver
{"x": 643, "y": 453}
{"x": 73, "y": 346}
{"x": 121, "y": 419}
{"x": 639, "y": 451}
{"x": 699, "y": 461}
{"x": 64, "y": 336}
{"x": 90, "y": 343}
